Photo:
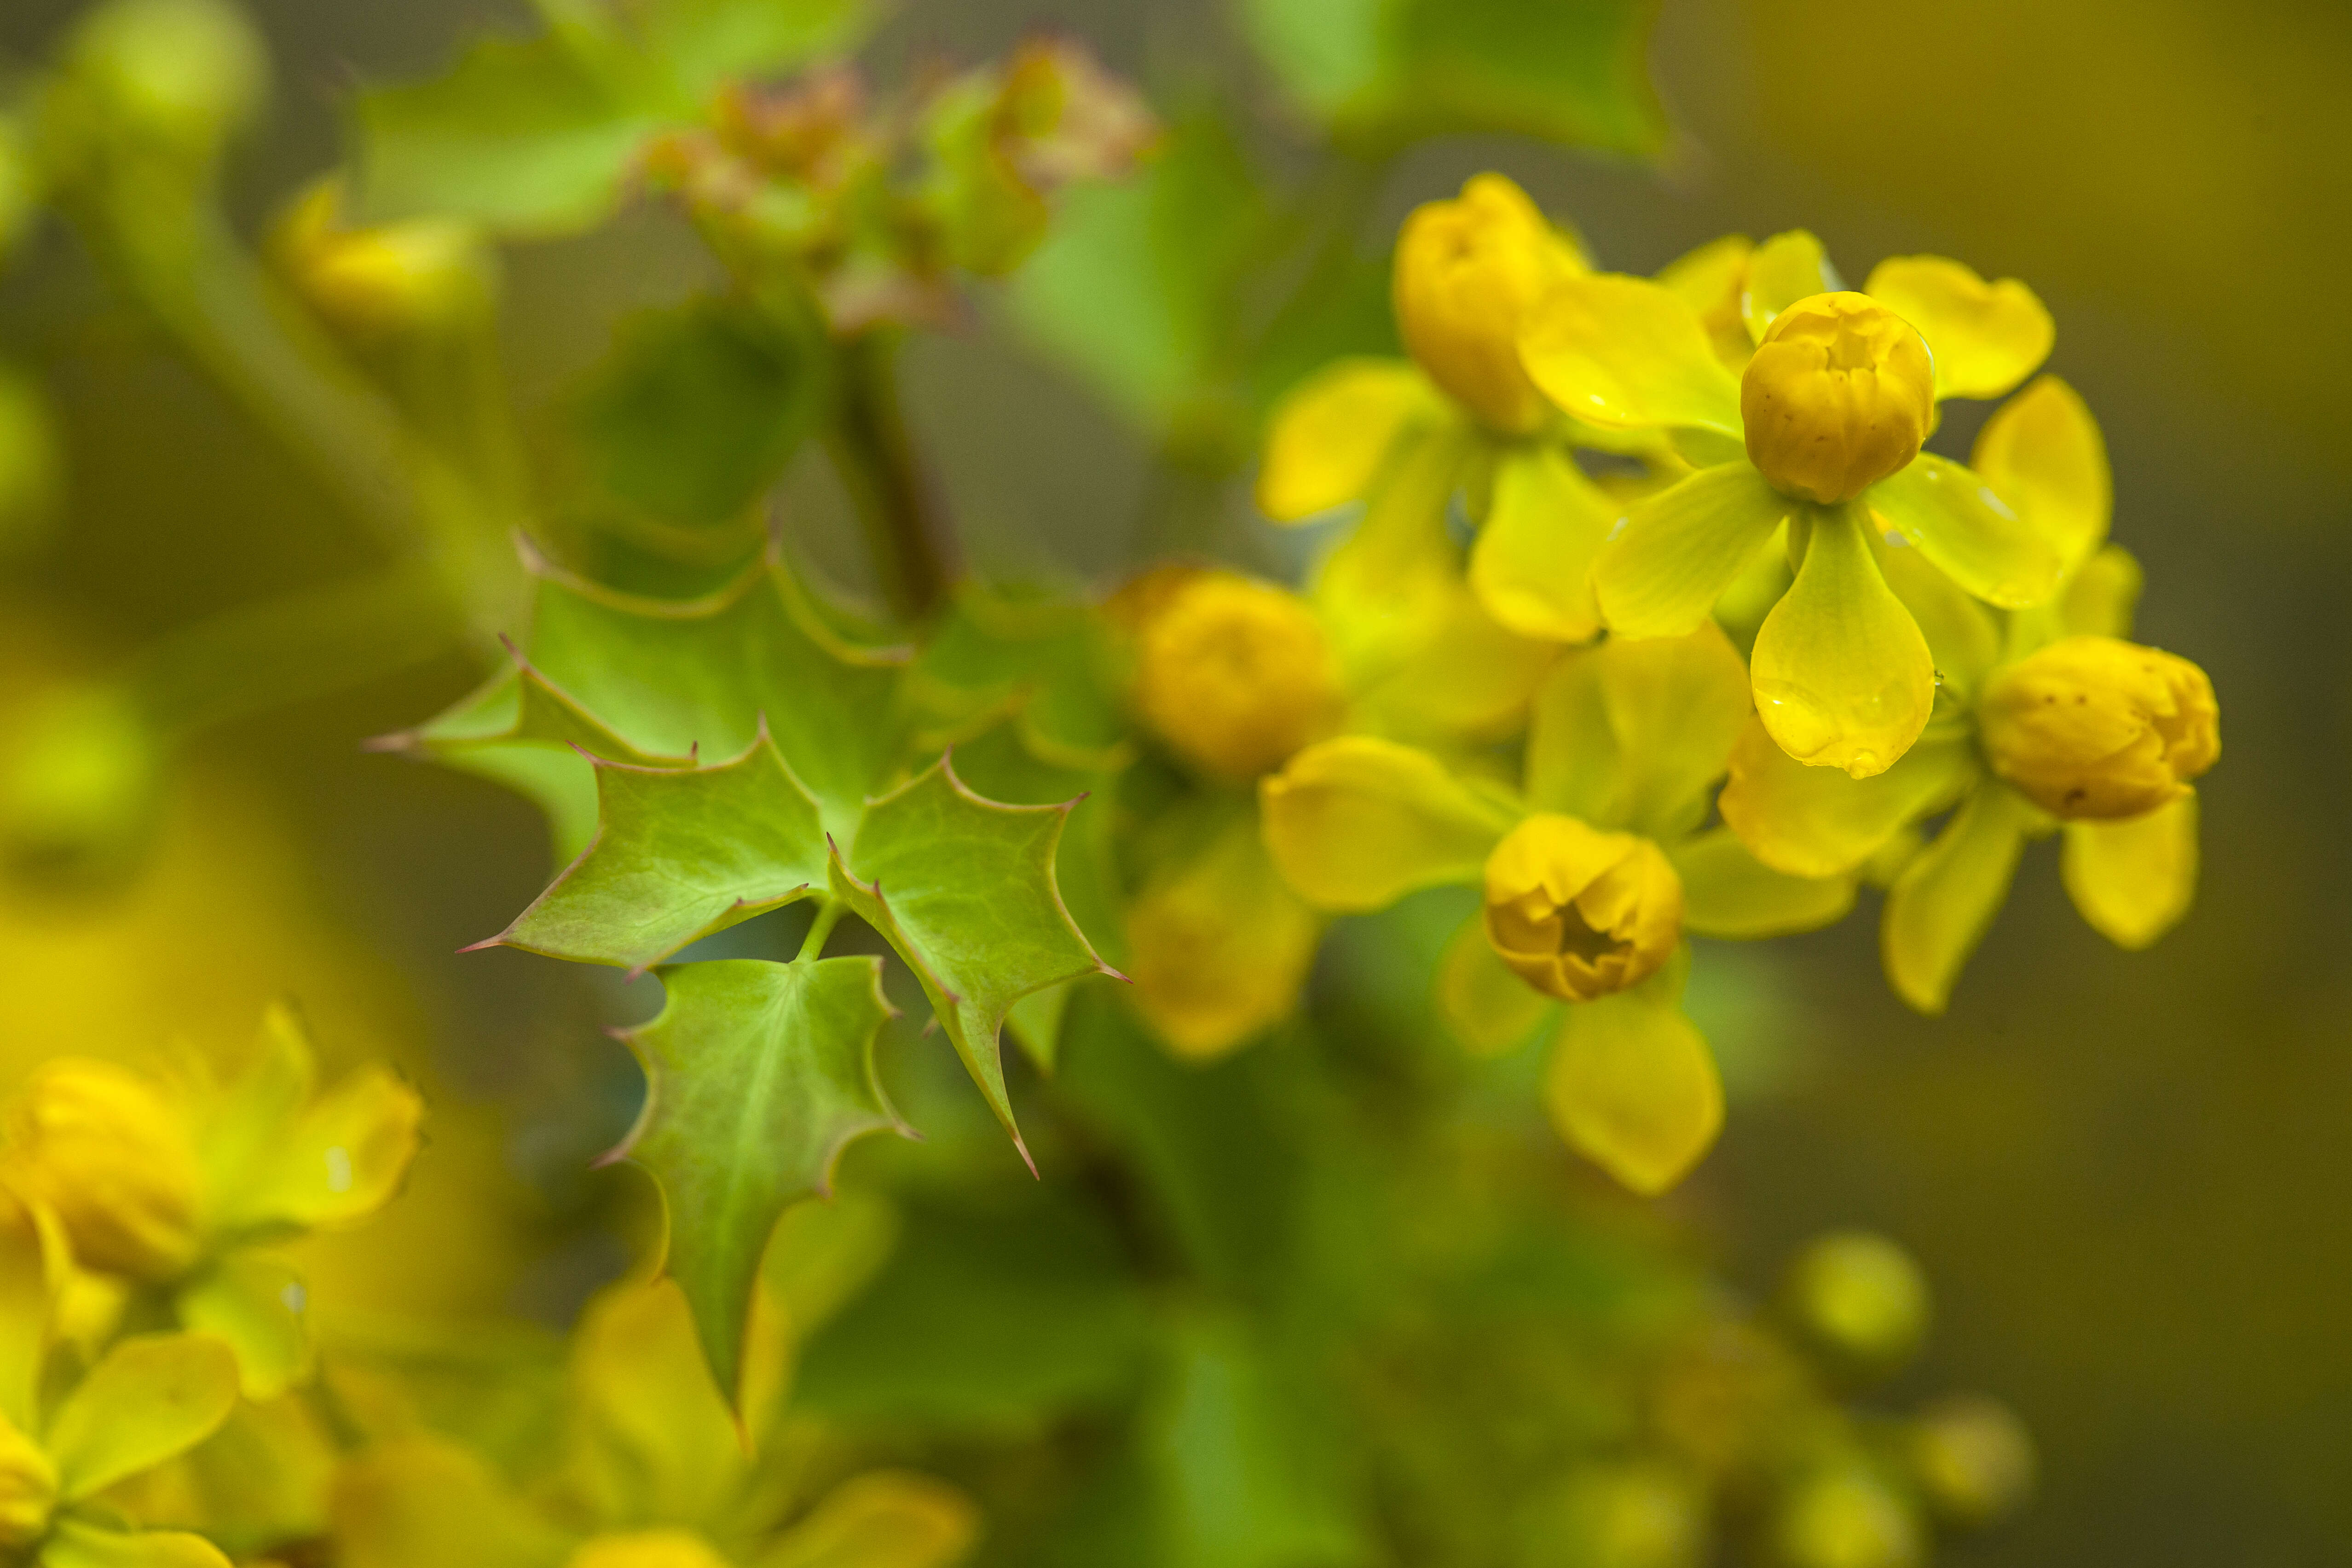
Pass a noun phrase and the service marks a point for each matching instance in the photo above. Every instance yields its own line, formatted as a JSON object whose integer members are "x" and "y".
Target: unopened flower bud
{"x": 1840, "y": 394}
{"x": 2096, "y": 727}
{"x": 28, "y": 1489}
{"x": 1973, "y": 1459}
{"x": 1845, "y": 1518}
{"x": 1579, "y": 913}
{"x": 1235, "y": 675}
{"x": 103, "y": 1148}
{"x": 1859, "y": 1297}
{"x": 77, "y": 781}
{"x": 421, "y": 275}
{"x": 1467, "y": 272}
{"x": 178, "y": 75}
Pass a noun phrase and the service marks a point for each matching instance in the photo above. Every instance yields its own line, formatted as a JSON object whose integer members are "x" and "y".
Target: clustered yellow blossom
{"x": 1781, "y": 612}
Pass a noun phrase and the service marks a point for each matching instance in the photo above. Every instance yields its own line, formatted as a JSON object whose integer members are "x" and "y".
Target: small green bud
{"x": 180, "y": 74}
{"x": 1845, "y": 1518}
{"x": 1973, "y": 1459}
{"x": 1859, "y": 1299}
{"x": 78, "y": 784}
{"x": 29, "y": 462}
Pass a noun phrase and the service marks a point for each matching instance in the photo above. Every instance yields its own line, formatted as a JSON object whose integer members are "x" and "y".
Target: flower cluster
{"x": 1699, "y": 635}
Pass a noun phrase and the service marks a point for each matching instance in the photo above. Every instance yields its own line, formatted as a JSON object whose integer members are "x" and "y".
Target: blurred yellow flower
{"x": 173, "y": 1179}
{"x": 1467, "y": 272}
{"x": 1235, "y": 675}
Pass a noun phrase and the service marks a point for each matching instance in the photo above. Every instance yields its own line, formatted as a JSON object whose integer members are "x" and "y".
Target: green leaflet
{"x": 678, "y": 854}
{"x": 704, "y": 42}
{"x": 1382, "y": 71}
{"x": 757, "y": 1076}
{"x": 963, "y": 889}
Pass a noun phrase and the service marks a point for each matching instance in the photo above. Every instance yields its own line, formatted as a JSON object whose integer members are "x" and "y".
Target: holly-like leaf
{"x": 964, "y": 888}
{"x": 705, "y": 42}
{"x": 757, "y": 1076}
{"x": 522, "y": 732}
{"x": 678, "y": 854}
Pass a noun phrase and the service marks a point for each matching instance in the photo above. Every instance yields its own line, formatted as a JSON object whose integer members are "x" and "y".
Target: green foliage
{"x": 1380, "y": 73}
{"x": 757, "y": 1076}
{"x": 698, "y": 410}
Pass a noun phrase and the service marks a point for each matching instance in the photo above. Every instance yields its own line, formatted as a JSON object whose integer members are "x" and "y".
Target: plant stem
{"x": 914, "y": 550}
{"x": 828, "y": 915}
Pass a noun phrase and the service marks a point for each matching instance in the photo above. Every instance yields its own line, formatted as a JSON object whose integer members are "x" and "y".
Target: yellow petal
{"x": 1986, "y": 337}
{"x": 349, "y": 1153}
{"x": 647, "y": 1549}
{"x": 1629, "y": 734}
{"x": 1386, "y": 587}
{"x": 2133, "y": 879}
{"x": 1357, "y": 823}
{"x": 1219, "y": 949}
{"x": 1467, "y": 678}
{"x": 1677, "y": 551}
{"x": 1967, "y": 530}
{"x": 1817, "y": 822}
{"x": 76, "y": 1545}
{"x": 1711, "y": 281}
{"x": 1785, "y": 268}
{"x": 1632, "y": 1087}
{"x": 1532, "y": 564}
{"x": 421, "y": 1501}
{"x": 2101, "y": 596}
{"x": 1483, "y": 998}
{"x": 152, "y": 1397}
{"x": 1625, "y": 352}
{"x": 885, "y": 1519}
{"x": 1727, "y": 892}
{"x": 2043, "y": 452}
{"x": 652, "y": 1438}
{"x": 1329, "y": 435}
{"x": 24, "y": 1309}
{"x": 245, "y": 1133}
{"x": 1963, "y": 636}
{"x": 1944, "y": 903}
{"x": 1843, "y": 678}
{"x": 254, "y": 1304}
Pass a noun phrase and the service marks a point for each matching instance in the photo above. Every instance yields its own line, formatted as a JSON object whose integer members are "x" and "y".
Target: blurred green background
{"x": 2128, "y": 1175}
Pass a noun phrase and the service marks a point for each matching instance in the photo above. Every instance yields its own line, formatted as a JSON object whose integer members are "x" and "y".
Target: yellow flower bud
{"x": 422, "y": 275}
{"x": 1235, "y": 675}
{"x": 112, "y": 1158}
{"x": 1973, "y": 1459}
{"x": 1841, "y": 393}
{"x": 1858, "y": 1298}
{"x": 28, "y": 1488}
{"x": 1467, "y": 272}
{"x": 1579, "y": 913}
{"x": 2096, "y": 727}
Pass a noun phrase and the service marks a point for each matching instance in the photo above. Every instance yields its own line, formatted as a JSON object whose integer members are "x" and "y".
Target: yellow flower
{"x": 1816, "y": 444}
{"x": 171, "y": 1180}
{"x": 1467, "y": 272}
{"x": 2094, "y": 727}
{"x": 1577, "y": 913}
{"x": 2012, "y": 750}
{"x": 1590, "y": 878}
{"x": 115, "y": 1161}
{"x": 147, "y": 1399}
{"x": 1839, "y": 394}
{"x": 1235, "y": 675}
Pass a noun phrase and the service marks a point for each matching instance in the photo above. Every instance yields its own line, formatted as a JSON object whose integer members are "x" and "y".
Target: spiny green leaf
{"x": 680, "y": 854}
{"x": 757, "y": 1076}
{"x": 522, "y": 134}
{"x": 963, "y": 888}
{"x": 520, "y": 730}
{"x": 672, "y": 677}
